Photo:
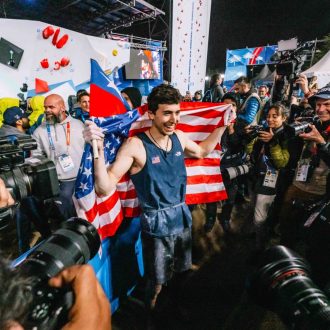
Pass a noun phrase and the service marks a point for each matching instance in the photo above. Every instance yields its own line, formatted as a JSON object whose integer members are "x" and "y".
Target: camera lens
{"x": 75, "y": 243}
{"x": 282, "y": 283}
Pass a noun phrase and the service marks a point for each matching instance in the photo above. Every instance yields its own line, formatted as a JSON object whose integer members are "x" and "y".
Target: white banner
{"x": 190, "y": 34}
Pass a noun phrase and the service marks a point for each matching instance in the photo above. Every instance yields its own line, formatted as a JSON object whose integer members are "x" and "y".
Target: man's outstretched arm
{"x": 201, "y": 150}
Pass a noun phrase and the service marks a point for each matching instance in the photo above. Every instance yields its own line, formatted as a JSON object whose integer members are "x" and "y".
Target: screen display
{"x": 143, "y": 64}
{"x": 10, "y": 54}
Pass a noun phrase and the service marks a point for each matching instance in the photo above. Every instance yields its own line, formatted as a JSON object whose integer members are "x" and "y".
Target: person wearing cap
{"x": 15, "y": 121}
{"x": 133, "y": 96}
{"x": 312, "y": 176}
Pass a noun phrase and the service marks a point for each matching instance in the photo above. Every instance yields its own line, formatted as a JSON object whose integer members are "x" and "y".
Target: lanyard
{"x": 67, "y": 135}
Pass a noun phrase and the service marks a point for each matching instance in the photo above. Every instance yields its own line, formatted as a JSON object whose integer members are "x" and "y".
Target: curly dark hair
{"x": 15, "y": 295}
{"x": 163, "y": 94}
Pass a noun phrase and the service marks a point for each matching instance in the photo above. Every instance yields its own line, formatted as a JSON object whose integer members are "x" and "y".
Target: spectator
{"x": 233, "y": 153}
{"x": 15, "y": 122}
{"x": 215, "y": 93}
{"x": 60, "y": 139}
{"x": 82, "y": 112}
{"x": 250, "y": 102}
{"x": 35, "y": 107}
{"x": 133, "y": 96}
{"x": 197, "y": 96}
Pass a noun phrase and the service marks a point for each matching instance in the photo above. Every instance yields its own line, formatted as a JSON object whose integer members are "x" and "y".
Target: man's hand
{"x": 303, "y": 83}
{"x": 91, "y": 309}
{"x": 313, "y": 135}
{"x": 5, "y": 198}
{"x": 93, "y": 132}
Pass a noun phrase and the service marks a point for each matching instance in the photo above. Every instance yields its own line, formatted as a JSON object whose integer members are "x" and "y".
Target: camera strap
{"x": 315, "y": 214}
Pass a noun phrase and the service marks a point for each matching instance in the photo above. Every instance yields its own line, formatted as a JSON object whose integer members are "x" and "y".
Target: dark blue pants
{"x": 64, "y": 202}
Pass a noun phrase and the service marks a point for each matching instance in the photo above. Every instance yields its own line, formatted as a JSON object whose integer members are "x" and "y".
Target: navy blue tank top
{"x": 161, "y": 189}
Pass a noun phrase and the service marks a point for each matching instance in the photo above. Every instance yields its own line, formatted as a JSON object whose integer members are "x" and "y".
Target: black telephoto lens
{"x": 75, "y": 243}
{"x": 282, "y": 284}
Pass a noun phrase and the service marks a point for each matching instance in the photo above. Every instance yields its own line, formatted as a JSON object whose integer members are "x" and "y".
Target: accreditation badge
{"x": 270, "y": 178}
{"x": 302, "y": 172}
{"x": 66, "y": 162}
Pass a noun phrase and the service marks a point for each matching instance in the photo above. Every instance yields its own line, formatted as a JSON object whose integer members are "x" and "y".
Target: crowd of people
{"x": 267, "y": 160}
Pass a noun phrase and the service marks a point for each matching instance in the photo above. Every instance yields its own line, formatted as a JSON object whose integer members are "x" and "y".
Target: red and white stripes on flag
{"x": 204, "y": 180}
{"x": 198, "y": 120}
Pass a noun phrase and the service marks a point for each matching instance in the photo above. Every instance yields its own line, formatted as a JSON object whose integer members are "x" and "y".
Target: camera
{"x": 255, "y": 130}
{"x": 26, "y": 176}
{"x": 235, "y": 171}
{"x": 301, "y": 126}
{"x": 76, "y": 242}
{"x": 282, "y": 283}
{"x": 289, "y": 65}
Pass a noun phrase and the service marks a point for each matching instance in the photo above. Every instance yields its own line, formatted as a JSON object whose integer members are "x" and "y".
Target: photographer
{"x": 15, "y": 124}
{"x": 91, "y": 309}
{"x": 311, "y": 180}
{"x": 269, "y": 155}
{"x": 233, "y": 151}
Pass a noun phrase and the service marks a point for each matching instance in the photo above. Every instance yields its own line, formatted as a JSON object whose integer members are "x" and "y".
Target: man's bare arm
{"x": 194, "y": 150}
{"x": 107, "y": 178}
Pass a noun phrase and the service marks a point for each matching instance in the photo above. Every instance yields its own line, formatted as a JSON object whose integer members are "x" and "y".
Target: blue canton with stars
{"x": 115, "y": 129}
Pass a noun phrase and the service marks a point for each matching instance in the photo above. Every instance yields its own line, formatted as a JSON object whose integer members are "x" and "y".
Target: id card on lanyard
{"x": 271, "y": 174}
{"x": 64, "y": 159}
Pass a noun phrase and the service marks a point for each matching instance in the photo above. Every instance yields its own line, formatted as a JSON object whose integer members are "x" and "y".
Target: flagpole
{"x": 95, "y": 149}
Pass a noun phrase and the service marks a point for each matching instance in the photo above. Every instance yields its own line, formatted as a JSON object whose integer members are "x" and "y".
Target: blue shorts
{"x": 165, "y": 255}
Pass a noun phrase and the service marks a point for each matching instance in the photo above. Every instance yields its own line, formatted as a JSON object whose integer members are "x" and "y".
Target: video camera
{"x": 75, "y": 243}
{"x": 24, "y": 175}
{"x": 282, "y": 284}
{"x": 289, "y": 65}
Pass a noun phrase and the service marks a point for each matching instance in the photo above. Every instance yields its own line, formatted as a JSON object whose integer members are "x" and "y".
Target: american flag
{"x": 104, "y": 212}
{"x": 204, "y": 181}
{"x": 198, "y": 120}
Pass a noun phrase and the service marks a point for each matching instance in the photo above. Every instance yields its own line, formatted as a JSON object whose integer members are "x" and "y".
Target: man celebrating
{"x": 155, "y": 161}
{"x": 60, "y": 139}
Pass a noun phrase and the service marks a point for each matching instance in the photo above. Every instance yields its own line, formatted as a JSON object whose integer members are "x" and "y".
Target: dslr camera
{"x": 24, "y": 175}
{"x": 76, "y": 242}
{"x": 255, "y": 130}
{"x": 301, "y": 126}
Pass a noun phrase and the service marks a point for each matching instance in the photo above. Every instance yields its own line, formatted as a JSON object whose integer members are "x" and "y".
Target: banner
{"x": 238, "y": 59}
